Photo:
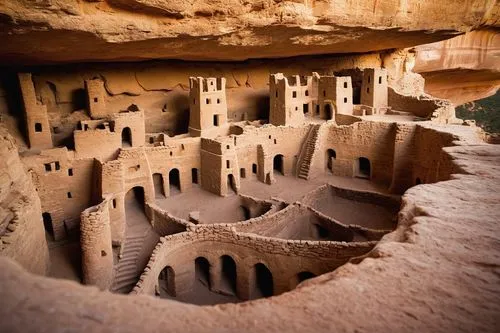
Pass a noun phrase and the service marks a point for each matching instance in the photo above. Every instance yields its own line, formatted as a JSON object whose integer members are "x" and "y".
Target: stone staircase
{"x": 127, "y": 272}
{"x": 306, "y": 154}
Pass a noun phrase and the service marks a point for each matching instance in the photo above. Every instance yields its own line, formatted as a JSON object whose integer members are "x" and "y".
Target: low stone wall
{"x": 165, "y": 223}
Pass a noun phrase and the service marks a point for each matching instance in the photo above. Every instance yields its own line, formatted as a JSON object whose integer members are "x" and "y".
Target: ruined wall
{"x": 22, "y": 235}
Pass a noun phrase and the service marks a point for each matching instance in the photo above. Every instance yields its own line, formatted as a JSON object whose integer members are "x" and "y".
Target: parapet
{"x": 210, "y": 84}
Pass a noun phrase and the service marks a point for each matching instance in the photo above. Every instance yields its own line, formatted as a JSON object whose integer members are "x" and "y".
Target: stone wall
{"x": 22, "y": 235}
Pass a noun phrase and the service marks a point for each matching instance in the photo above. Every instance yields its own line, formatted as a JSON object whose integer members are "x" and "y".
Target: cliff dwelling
{"x": 291, "y": 170}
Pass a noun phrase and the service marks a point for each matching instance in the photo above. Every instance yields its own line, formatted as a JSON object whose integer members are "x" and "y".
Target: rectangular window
{"x": 243, "y": 173}
{"x": 58, "y": 166}
{"x": 345, "y": 99}
{"x": 114, "y": 203}
{"x": 294, "y": 94}
{"x": 380, "y": 79}
{"x": 368, "y": 90}
{"x": 345, "y": 84}
{"x": 209, "y": 101}
{"x": 38, "y": 127}
{"x": 69, "y": 195}
{"x": 48, "y": 167}
{"x": 228, "y": 164}
{"x": 228, "y": 146}
{"x": 96, "y": 99}
{"x": 70, "y": 172}
{"x": 216, "y": 120}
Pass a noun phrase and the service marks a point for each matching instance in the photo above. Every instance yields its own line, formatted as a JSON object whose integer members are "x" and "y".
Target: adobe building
{"x": 374, "y": 91}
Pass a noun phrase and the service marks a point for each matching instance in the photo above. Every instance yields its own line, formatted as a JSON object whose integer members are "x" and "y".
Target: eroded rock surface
{"x": 61, "y": 31}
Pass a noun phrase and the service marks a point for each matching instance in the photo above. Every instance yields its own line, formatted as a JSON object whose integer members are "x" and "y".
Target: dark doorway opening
{"x": 305, "y": 108}
{"x": 278, "y": 164}
{"x": 331, "y": 155}
{"x": 364, "y": 168}
{"x": 202, "y": 271}
{"x": 166, "y": 282}
{"x": 302, "y": 276}
{"x": 328, "y": 111}
{"x": 126, "y": 137}
{"x": 231, "y": 186}
{"x": 194, "y": 176}
{"x": 174, "y": 181}
{"x": 158, "y": 185}
{"x": 264, "y": 286}
{"x": 321, "y": 232}
{"x": 228, "y": 275}
{"x": 418, "y": 181}
{"x": 47, "y": 223}
{"x": 216, "y": 120}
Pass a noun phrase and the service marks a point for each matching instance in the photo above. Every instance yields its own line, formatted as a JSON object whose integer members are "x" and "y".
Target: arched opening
{"x": 331, "y": 155}
{"x": 231, "y": 185}
{"x": 135, "y": 201}
{"x": 126, "y": 137}
{"x": 302, "y": 276}
{"x": 363, "y": 168}
{"x": 321, "y": 232}
{"x": 47, "y": 223}
{"x": 418, "y": 181}
{"x": 158, "y": 185}
{"x": 174, "y": 181}
{"x": 166, "y": 282}
{"x": 202, "y": 271}
{"x": 328, "y": 111}
{"x": 263, "y": 281}
{"x": 228, "y": 275}
{"x": 278, "y": 164}
{"x": 245, "y": 212}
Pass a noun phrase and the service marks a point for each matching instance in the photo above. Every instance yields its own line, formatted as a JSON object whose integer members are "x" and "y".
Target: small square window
{"x": 208, "y": 101}
{"x": 345, "y": 84}
{"x": 228, "y": 146}
{"x": 345, "y": 99}
{"x": 294, "y": 94}
{"x": 70, "y": 172}
{"x": 218, "y": 100}
{"x": 38, "y": 127}
{"x": 69, "y": 195}
{"x": 48, "y": 167}
{"x": 58, "y": 166}
{"x": 96, "y": 99}
{"x": 307, "y": 93}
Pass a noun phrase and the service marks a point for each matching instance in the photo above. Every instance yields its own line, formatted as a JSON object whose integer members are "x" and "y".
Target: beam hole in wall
{"x": 126, "y": 137}
{"x": 166, "y": 283}
{"x": 103, "y": 253}
{"x": 96, "y": 99}
{"x": 158, "y": 185}
{"x": 47, "y": 224}
{"x": 38, "y": 127}
{"x": 363, "y": 168}
{"x": 194, "y": 175}
{"x": 174, "y": 181}
{"x": 278, "y": 164}
{"x": 331, "y": 155}
{"x": 228, "y": 275}
{"x": 202, "y": 271}
{"x": 263, "y": 285}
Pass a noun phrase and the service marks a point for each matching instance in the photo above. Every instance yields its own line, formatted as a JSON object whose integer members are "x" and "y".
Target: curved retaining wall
{"x": 284, "y": 258}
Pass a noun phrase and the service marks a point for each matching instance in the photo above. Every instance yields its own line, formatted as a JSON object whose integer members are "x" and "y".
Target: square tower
{"x": 334, "y": 96}
{"x": 374, "y": 90}
{"x": 96, "y": 95}
{"x": 207, "y": 107}
{"x": 290, "y": 99}
{"x": 37, "y": 120}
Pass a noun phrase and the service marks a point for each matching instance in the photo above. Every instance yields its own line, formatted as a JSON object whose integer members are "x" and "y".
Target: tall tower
{"x": 334, "y": 96}
{"x": 37, "y": 120}
{"x": 207, "y": 107}
{"x": 374, "y": 90}
{"x": 290, "y": 98}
